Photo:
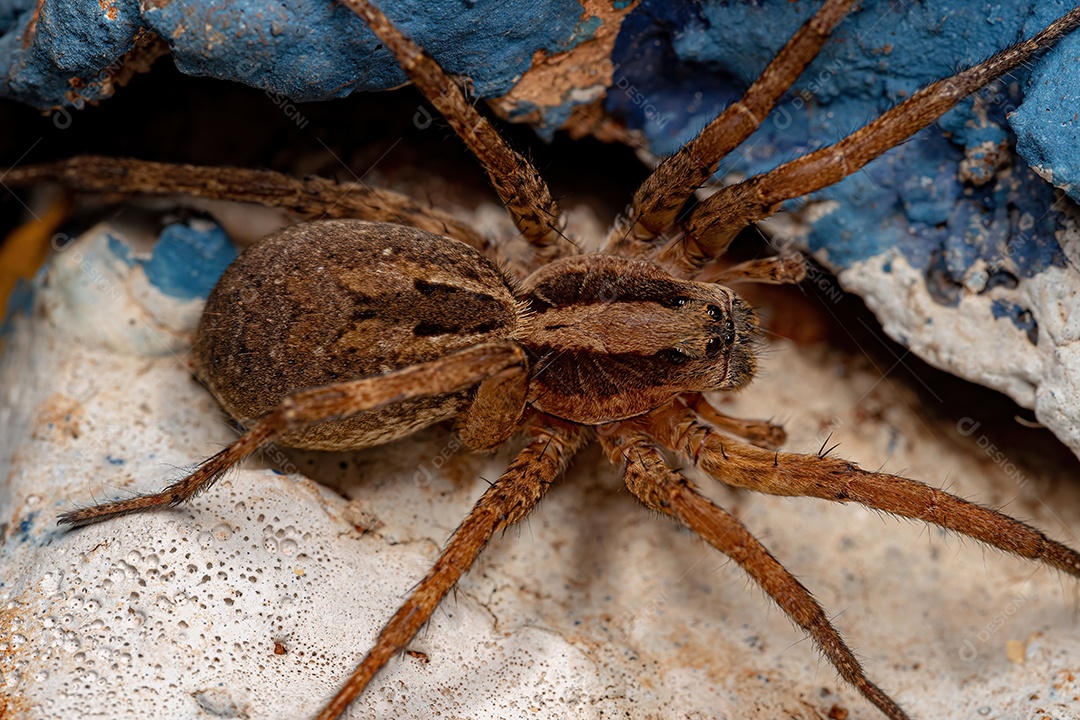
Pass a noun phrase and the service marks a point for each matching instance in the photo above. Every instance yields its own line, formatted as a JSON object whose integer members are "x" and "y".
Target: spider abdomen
{"x": 336, "y": 300}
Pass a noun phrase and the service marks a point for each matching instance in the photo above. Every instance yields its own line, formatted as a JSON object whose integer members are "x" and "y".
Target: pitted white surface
{"x": 595, "y": 608}
{"x": 968, "y": 341}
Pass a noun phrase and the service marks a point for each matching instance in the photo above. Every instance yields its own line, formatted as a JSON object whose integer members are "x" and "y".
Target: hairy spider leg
{"x": 518, "y": 184}
{"x": 668, "y": 492}
{"x": 312, "y": 198}
{"x": 507, "y": 502}
{"x": 762, "y": 433}
{"x": 715, "y": 222}
{"x": 776, "y": 270}
{"x": 663, "y": 194}
{"x": 741, "y": 465}
{"x": 303, "y": 408}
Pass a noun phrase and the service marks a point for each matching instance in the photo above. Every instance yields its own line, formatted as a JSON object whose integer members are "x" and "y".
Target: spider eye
{"x": 676, "y": 302}
{"x": 674, "y": 356}
{"x": 715, "y": 313}
{"x": 714, "y": 347}
{"x": 729, "y": 331}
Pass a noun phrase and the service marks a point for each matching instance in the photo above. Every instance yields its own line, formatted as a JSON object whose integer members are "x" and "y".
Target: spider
{"x": 345, "y": 333}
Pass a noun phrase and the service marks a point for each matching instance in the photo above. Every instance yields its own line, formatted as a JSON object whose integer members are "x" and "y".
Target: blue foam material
{"x": 187, "y": 262}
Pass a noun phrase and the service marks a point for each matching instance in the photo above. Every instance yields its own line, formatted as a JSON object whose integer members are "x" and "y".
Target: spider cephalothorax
{"x": 616, "y": 337}
{"x": 345, "y": 334}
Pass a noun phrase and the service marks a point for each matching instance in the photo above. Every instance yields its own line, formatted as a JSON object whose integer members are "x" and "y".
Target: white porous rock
{"x": 258, "y": 598}
{"x": 968, "y": 341}
{"x": 253, "y": 602}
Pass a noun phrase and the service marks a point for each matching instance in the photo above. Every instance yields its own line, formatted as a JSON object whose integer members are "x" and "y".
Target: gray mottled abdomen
{"x": 337, "y": 300}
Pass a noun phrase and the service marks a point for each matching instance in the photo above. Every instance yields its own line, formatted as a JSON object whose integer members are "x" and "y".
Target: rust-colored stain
{"x": 587, "y": 65}
{"x": 979, "y": 168}
{"x": 31, "y": 28}
{"x": 109, "y": 8}
{"x": 58, "y": 417}
{"x": 11, "y": 703}
{"x": 422, "y": 657}
{"x": 87, "y": 556}
{"x": 147, "y": 48}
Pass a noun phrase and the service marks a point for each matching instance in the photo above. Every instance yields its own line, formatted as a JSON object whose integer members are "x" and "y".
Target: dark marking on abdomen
{"x": 427, "y": 329}
{"x": 430, "y": 329}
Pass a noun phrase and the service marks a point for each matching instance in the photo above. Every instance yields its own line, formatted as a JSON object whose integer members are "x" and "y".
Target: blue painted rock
{"x": 960, "y": 246}
{"x": 964, "y": 248}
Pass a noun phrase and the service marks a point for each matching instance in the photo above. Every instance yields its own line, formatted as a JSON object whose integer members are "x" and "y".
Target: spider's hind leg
{"x": 303, "y": 408}
{"x": 311, "y": 198}
{"x": 508, "y": 501}
{"x": 666, "y": 491}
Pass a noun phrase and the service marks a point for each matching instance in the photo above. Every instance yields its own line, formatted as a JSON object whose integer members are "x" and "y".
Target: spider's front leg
{"x": 515, "y": 179}
{"x": 745, "y": 466}
{"x": 666, "y": 491}
{"x": 304, "y": 408}
{"x": 507, "y": 502}
{"x": 658, "y": 201}
{"x": 758, "y": 432}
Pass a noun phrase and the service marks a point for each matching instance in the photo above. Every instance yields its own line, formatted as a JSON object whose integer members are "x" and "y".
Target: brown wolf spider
{"x": 617, "y": 346}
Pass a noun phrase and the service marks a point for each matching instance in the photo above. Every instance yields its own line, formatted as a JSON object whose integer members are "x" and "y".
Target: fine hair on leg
{"x": 508, "y": 501}
{"x": 715, "y": 222}
{"x": 741, "y": 465}
{"x": 518, "y": 183}
{"x": 664, "y": 193}
{"x": 666, "y": 491}
{"x": 303, "y": 408}
{"x": 312, "y": 198}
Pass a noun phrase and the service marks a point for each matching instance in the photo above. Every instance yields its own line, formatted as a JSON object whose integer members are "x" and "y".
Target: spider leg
{"x": 777, "y": 270}
{"x": 715, "y": 222}
{"x": 311, "y": 198}
{"x": 508, "y": 501}
{"x": 745, "y": 466}
{"x": 659, "y": 199}
{"x": 496, "y": 410}
{"x": 518, "y": 184}
{"x": 666, "y": 491}
{"x": 303, "y": 408}
{"x": 758, "y": 432}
